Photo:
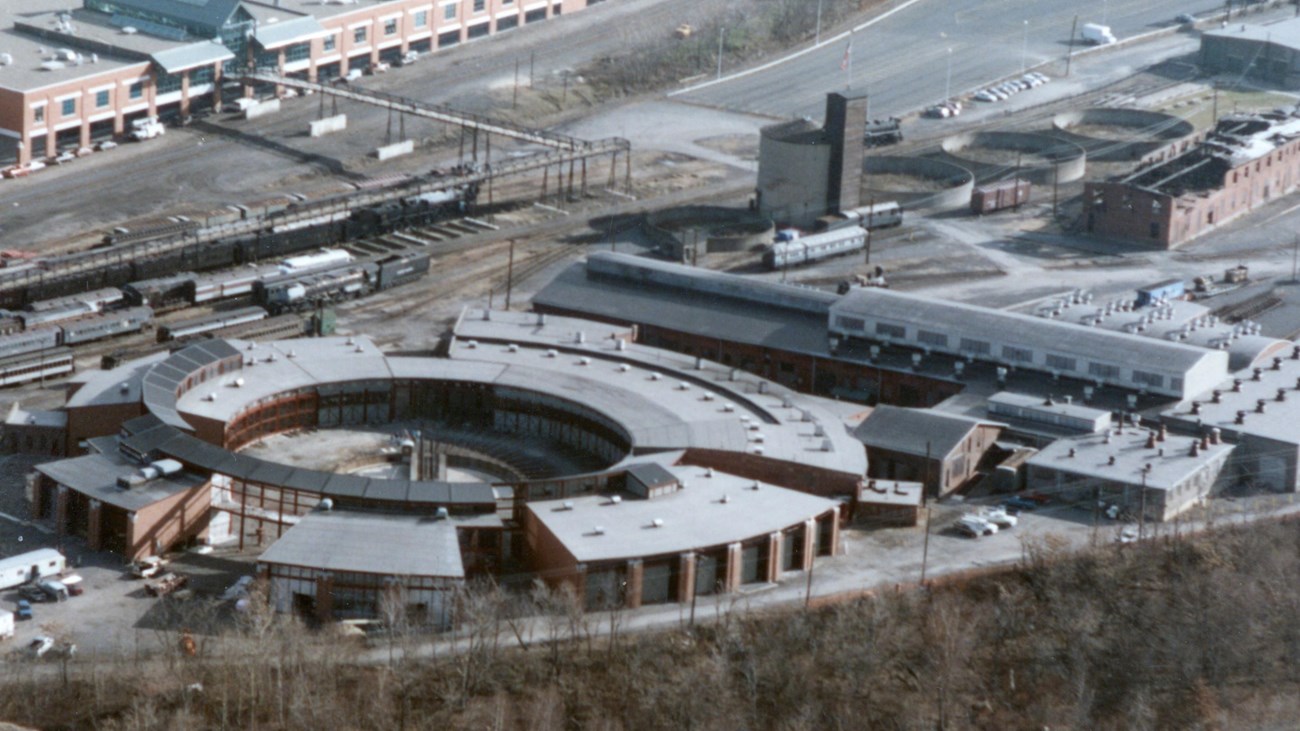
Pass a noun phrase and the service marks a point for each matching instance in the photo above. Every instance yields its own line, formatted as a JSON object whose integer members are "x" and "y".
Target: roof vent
{"x": 551, "y": 353}
{"x": 442, "y": 514}
{"x": 350, "y": 342}
{"x": 725, "y": 498}
{"x": 124, "y": 387}
{"x": 683, "y": 386}
{"x": 326, "y": 505}
{"x": 238, "y": 383}
{"x": 707, "y": 397}
{"x": 754, "y": 486}
{"x": 624, "y": 368}
{"x": 708, "y": 472}
{"x": 129, "y": 30}
{"x": 512, "y": 348}
{"x": 567, "y": 505}
{"x": 358, "y": 350}
{"x": 211, "y": 397}
{"x": 252, "y": 346}
{"x": 598, "y": 530}
{"x": 827, "y": 446}
{"x": 615, "y": 499}
{"x": 584, "y": 361}
{"x": 291, "y": 354}
{"x": 758, "y": 449}
{"x": 620, "y": 345}
{"x": 730, "y": 407}
{"x": 657, "y": 523}
{"x": 655, "y": 376}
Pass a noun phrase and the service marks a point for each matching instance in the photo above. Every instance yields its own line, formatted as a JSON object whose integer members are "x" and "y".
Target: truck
{"x": 147, "y": 128}
{"x": 998, "y": 196}
{"x": 1096, "y": 34}
{"x": 166, "y": 584}
{"x": 30, "y": 566}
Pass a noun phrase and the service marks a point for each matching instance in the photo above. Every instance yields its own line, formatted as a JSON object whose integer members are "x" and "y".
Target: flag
{"x": 848, "y": 55}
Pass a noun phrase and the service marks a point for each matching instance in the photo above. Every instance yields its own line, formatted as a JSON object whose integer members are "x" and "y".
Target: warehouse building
{"x": 72, "y": 77}
{"x": 617, "y": 419}
{"x": 1247, "y": 161}
{"x": 942, "y": 451}
{"x": 1269, "y": 54}
{"x": 1143, "y": 471}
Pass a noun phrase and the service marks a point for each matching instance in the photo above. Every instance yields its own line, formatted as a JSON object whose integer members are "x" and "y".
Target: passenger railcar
{"x": 207, "y": 323}
{"x": 28, "y": 367}
{"x": 107, "y": 325}
{"x": 798, "y": 250}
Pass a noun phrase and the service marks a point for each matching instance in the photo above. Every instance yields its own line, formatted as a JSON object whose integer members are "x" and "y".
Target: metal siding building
{"x": 1268, "y": 53}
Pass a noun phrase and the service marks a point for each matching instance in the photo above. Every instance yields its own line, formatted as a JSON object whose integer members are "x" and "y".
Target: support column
{"x": 835, "y": 531}
{"x": 809, "y": 544}
{"x": 325, "y": 597}
{"x": 94, "y": 532}
{"x": 634, "y": 587}
{"x": 132, "y": 551}
{"x": 25, "y": 149}
{"x": 84, "y": 138}
{"x": 185, "y": 92}
{"x": 774, "y": 545}
{"x": 216, "y": 88}
{"x": 732, "y": 574}
{"x": 686, "y": 577}
{"x": 151, "y": 93}
{"x": 61, "y": 510}
{"x": 51, "y": 143}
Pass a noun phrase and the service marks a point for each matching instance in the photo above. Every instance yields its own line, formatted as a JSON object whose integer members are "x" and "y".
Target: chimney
{"x": 1256, "y": 373}
{"x": 1241, "y": 417}
{"x": 1295, "y": 353}
{"x": 1072, "y": 453}
{"x": 1205, "y": 441}
{"x": 1196, "y": 408}
{"x": 1163, "y": 434}
{"x": 1277, "y": 364}
{"x": 846, "y": 128}
{"x": 1151, "y": 440}
{"x": 1196, "y": 448}
{"x": 1217, "y": 396}
{"x": 1215, "y": 435}
{"x": 1111, "y": 461}
{"x": 1259, "y": 406}
{"x": 1281, "y": 394}
{"x": 1236, "y": 385}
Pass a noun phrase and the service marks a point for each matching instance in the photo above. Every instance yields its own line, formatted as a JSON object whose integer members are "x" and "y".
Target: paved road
{"x": 903, "y": 60}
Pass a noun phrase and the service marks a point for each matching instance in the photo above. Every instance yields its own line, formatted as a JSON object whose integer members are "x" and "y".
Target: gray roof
{"x": 1039, "y": 333}
{"x": 910, "y": 431}
{"x": 694, "y": 517}
{"x": 374, "y": 543}
{"x": 1092, "y": 453}
{"x": 699, "y": 313}
{"x": 192, "y": 55}
{"x": 284, "y": 32}
{"x": 95, "y": 476}
{"x": 1285, "y": 33}
{"x": 897, "y": 493}
{"x": 164, "y": 379}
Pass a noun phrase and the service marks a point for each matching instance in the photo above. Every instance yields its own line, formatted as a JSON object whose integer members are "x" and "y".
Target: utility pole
{"x": 807, "y": 597}
{"x": 1142, "y": 512}
{"x": 1056, "y": 174}
{"x": 510, "y": 273}
{"x": 721, "y": 33}
{"x": 818, "y": 40}
{"x": 1295, "y": 250}
{"x": 514, "y": 98}
{"x": 532, "y": 58}
{"x": 1069, "y": 55}
{"x": 925, "y": 549}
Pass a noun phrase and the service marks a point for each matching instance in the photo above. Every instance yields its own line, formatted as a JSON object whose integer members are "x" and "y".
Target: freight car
{"x": 36, "y": 366}
{"x": 229, "y": 284}
{"x": 161, "y": 292}
{"x": 798, "y": 249}
{"x": 315, "y": 261}
{"x": 208, "y": 323}
{"x": 94, "y": 301}
{"x": 872, "y": 217}
{"x": 400, "y": 269}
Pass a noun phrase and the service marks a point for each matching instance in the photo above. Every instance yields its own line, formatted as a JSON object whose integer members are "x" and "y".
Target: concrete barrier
{"x": 322, "y": 127}
{"x": 387, "y": 152}
{"x": 1043, "y": 158}
{"x": 261, "y": 109}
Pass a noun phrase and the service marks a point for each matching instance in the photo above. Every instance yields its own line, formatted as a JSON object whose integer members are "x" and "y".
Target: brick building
{"x": 1244, "y": 163}
{"x": 72, "y": 77}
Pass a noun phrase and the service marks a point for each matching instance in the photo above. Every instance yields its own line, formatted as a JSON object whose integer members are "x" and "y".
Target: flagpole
{"x": 849, "y": 86}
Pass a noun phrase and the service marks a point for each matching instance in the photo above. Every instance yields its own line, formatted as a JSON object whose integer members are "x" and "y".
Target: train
{"x": 26, "y": 367}
{"x": 77, "y": 331}
{"x": 118, "y": 264}
{"x": 872, "y": 217}
{"x": 296, "y": 292}
{"x": 793, "y": 249}
{"x": 207, "y": 323}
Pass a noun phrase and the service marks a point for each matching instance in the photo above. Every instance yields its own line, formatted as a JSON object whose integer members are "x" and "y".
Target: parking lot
{"x": 114, "y": 614}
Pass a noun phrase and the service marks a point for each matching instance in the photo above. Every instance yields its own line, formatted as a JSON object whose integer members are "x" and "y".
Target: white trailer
{"x": 25, "y": 567}
{"x": 6, "y": 624}
{"x": 1096, "y": 34}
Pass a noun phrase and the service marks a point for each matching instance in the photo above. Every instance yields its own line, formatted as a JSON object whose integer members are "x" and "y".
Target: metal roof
{"x": 1285, "y": 33}
{"x": 208, "y": 15}
{"x": 911, "y": 431}
{"x": 706, "y": 512}
{"x": 375, "y": 543}
{"x": 285, "y": 31}
{"x": 95, "y": 476}
{"x": 1092, "y": 453}
{"x": 192, "y": 55}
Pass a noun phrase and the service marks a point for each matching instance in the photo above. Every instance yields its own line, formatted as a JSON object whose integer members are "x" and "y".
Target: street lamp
{"x": 1024, "y": 48}
{"x": 818, "y": 42}
{"x": 947, "y": 84}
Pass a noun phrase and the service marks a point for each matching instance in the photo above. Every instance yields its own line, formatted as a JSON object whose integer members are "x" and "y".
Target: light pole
{"x": 1105, "y": 7}
{"x": 721, "y": 31}
{"x": 1024, "y": 48}
{"x": 947, "y": 84}
{"x": 818, "y": 42}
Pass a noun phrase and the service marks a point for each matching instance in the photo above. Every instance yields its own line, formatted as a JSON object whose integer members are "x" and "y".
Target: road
{"x": 903, "y": 60}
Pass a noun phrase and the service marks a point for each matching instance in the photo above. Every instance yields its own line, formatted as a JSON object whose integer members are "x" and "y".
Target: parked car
{"x": 23, "y": 610}
{"x": 57, "y": 591}
{"x": 148, "y": 567}
{"x": 999, "y": 517}
{"x": 166, "y": 584}
{"x": 40, "y": 645}
{"x": 237, "y": 590}
{"x": 1018, "y": 504}
{"x": 1185, "y": 18}
{"x": 73, "y": 584}
{"x": 975, "y": 526}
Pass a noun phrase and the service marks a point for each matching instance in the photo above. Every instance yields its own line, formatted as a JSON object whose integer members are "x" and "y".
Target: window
{"x": 331, "y": 42}
{"x": 390, "y": 27}
{"x": 1060, "y": 362}
{"x": 1148, "y": 379}
{"x": 421, "y": 19}
{"x": 1101, "y": 370}
{"x": 978, "y": 347}
{"x": 851, "y": 323}
{"x": 136, "y": 90}
{"x": 480, "y": 5}
{"x": 449, "y": 12}
{"x": 890, "y": 331}
{"x": 359, "y": 35}
{"x": 1155, "y": 230}
{"x": 932, "y": 338}
{"x": 1018, "y": 355}
{"x": 101, "y": 99}
{"x": 38, "y": 114}
{"x": 68, "y": 107}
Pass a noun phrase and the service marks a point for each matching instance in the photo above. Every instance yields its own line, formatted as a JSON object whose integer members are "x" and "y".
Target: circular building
{"x": 680, "y": 476}
{"x": 1124, "y": 135}
{"x": 996, "y": 155}
{"x": 918, "y": 182}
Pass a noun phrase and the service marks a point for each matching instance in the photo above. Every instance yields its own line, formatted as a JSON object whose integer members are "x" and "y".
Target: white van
{"x": 1096, "y": 34}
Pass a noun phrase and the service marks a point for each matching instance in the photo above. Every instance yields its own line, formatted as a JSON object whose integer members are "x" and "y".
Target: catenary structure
{"x": 660, "y": 476}
{"x": 72, "y": 76}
